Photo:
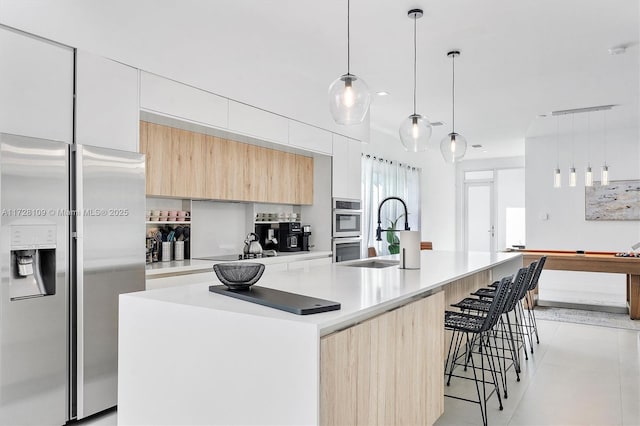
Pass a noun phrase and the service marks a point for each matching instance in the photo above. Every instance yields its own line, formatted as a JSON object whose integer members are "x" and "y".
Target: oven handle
{"x": 347, "y": 211}
{"x": 347, "y": 240}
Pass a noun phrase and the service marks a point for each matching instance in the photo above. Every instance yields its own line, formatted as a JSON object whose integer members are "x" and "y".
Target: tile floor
{"x": 578, "y": 375}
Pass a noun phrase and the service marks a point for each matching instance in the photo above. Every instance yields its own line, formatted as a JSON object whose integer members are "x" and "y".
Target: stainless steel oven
{"x": 347, "y": 218}
{"x": 346, "y": 249}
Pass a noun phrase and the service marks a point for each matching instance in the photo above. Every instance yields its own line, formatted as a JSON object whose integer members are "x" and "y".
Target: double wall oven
{"x": 347, "y": 229}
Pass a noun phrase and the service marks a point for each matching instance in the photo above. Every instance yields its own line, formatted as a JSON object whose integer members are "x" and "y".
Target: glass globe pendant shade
{"x": 453, "y": 147}
{"x": 415, "y": 132}
{"x": 349, "y": 99}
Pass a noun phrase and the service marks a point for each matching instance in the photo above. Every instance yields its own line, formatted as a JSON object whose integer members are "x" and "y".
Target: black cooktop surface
{"x": 229, "y": 257}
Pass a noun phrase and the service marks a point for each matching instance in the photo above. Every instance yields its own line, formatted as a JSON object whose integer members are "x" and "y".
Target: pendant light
{"x": 415, "y": 131}
{"x": 349, "y": 96}
{"x": 453, "y": 146}
{"x": 572, "y": 171}
{"x": 588, "y": 174}
{"x": 604, "y": 181}
{"x": 557, "y": 177}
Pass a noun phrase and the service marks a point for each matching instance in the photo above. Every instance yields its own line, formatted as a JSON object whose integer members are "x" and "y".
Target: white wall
{"x": 217, "y": 228}
{"x": 438, "y": 187}
{"x": 566, "y": 227}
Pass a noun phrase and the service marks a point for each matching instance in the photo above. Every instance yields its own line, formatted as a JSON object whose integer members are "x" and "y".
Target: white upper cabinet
{"x": 258, "y": 123}
{"x": 106, "y": 103}
{"x": 168, "y": 97}
{"x": 36, "y": 87}
{"x": 309, "y": 137}
{"x": 346, "y": 169}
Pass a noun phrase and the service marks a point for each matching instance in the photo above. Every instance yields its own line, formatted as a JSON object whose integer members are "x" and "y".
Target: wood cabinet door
{"x": 304, "y": 180}
{"x": 225, "y": 169}
{"x": 186, "y": 162}
{"x": 157, "y": 149}
{"x": 256, "y": 174}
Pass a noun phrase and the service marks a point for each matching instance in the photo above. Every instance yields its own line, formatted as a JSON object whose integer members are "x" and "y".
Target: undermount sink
{"x": 374, "y": 263}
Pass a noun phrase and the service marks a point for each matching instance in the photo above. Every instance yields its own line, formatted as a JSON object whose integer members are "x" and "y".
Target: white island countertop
{"x": 190, "y": 356}
{"x": 362, "y": 292}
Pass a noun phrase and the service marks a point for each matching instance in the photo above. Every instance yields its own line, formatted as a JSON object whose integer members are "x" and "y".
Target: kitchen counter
{"x": 206, "y": 355}
{"x": 177, "y": 267}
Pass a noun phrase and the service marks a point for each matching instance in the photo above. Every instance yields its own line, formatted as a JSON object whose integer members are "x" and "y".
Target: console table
{"x": 595, "y": 262}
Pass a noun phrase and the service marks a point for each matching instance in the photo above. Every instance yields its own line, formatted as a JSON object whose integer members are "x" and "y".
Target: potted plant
{"x": 392, "y": 237}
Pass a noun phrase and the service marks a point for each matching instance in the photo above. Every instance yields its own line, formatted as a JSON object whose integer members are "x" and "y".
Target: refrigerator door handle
{"x": 78, "y": 273}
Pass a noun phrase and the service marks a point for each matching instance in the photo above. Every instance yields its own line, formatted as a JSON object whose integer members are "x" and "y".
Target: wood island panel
{"x": 386, "y": 370}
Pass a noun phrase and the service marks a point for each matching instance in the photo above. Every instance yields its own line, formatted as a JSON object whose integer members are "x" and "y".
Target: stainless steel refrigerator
{"x": 71, "y": 233}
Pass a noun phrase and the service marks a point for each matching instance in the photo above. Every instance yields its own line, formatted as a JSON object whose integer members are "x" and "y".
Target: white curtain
{"x": 381, "y": 179}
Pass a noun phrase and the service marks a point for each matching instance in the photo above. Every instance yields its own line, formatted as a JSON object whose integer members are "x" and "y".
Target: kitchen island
{"x": 188, "y": 356}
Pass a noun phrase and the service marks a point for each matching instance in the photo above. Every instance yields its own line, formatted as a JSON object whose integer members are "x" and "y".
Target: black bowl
{"x": 238, "y": 275}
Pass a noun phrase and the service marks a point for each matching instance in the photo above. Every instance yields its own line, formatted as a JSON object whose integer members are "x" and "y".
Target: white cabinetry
{"x": 250, "y": 121}
{"x": 106, "y": 103}
{"x": 309, "y": 137}
{"x": 346, "y": 167}
{"x": 36, "y": 87}
{"x": 168, "y": 97}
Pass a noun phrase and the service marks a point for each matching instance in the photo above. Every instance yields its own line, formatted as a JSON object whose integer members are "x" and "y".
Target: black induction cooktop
{"x": 230, "y": 257}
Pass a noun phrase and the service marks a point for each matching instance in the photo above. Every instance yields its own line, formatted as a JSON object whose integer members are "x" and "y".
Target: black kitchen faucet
{"x": 406, "y": 219}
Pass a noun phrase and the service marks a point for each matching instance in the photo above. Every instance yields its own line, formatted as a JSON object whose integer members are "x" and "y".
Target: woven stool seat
{"x": 473, "y": 304}
{"x": 463, "y": 322}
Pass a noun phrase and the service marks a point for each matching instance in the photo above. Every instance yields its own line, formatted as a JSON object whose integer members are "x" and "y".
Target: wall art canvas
{"x": 620, "y": 200}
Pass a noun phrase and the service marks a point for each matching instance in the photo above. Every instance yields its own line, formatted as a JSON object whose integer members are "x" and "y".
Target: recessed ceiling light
{"x": 382, "y": 93}
{"x": 485, "y": 150}
{"x": 476, "y": 146}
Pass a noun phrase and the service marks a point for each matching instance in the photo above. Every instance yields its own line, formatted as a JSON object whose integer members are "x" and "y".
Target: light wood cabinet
{"x": 304, "y": 176}
{"x": 186, "y": 164}
{"x": 377, "y": 373}
{"x": 155, "y": 143}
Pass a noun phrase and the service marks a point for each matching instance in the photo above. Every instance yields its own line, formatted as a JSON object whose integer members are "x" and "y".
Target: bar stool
{"x": 476, "y": 329}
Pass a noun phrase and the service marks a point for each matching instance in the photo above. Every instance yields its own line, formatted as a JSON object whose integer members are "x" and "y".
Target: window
{"x": 381, "y": 179}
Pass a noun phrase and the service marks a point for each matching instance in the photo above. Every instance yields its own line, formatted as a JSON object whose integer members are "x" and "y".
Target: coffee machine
{"x": 289, "y": 236}
{"x": 267, "y": 235}
{"x": 306, "y": 233}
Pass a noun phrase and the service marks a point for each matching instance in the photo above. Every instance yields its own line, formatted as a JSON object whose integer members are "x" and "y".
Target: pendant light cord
{"x": 453, "y": 93}
{"x": 605, "y": 137}
{"x": 348, "y": 37}
{"x": 573, "y": 120}
{"x": 557, "y": 142}
{"x": 588, "y": 139}
{"x": 415, "y": 61}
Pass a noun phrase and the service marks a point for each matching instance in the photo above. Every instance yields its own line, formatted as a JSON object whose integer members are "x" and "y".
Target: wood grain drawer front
{"x": 387, "y": 370}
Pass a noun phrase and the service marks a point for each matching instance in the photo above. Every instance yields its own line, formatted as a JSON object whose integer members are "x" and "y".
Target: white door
{"x": 479, "y": 217}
